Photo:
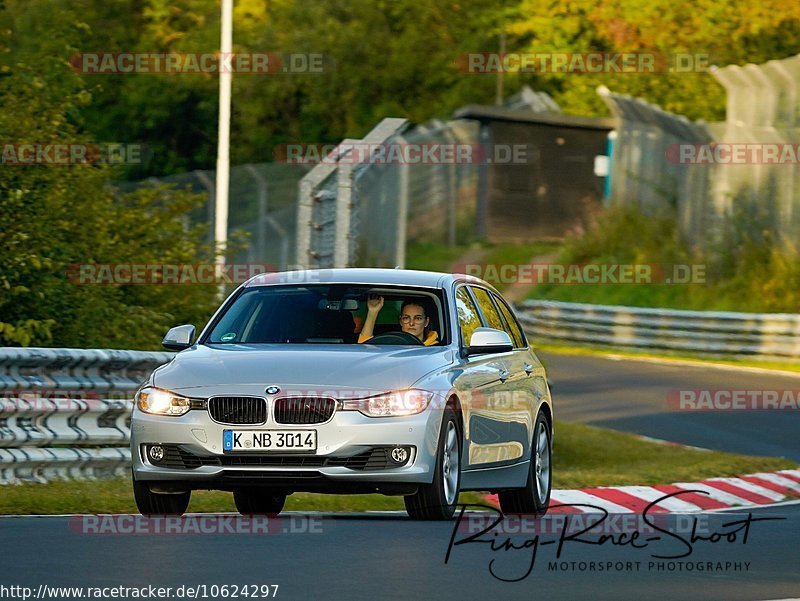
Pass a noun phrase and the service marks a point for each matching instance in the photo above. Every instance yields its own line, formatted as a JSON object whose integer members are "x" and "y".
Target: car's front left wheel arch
{"x": 437, "y": 500}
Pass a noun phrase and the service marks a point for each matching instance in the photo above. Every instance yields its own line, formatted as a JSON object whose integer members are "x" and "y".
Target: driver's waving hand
{"x": 413, "y": 320}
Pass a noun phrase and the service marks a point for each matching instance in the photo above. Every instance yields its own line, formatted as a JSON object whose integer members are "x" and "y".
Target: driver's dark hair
{"x": 418, "y": 302}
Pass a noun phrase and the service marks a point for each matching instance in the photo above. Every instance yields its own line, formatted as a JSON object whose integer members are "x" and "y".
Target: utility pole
{"x": 223, "y": 141}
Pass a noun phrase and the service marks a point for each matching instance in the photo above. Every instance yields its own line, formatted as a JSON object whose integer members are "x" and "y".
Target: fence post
{"x": 305, "y": 212}
{"x": 452, "y": 188}
{"x": 263, "y": 199}
{"x": 211, "y": 189}
{"x": 482, "y": 210}
{"x": 402, "y": 220}
{"x": 344, "y": 194}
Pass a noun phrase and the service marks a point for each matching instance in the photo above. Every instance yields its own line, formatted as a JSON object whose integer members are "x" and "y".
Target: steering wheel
{"x": 395, "y": 338}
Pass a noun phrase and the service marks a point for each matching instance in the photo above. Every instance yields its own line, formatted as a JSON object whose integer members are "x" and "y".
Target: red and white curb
{"x": 716, "y": 494}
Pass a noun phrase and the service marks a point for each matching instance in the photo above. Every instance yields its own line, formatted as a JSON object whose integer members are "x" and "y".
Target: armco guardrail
{"x": 65, "y": 413}
{"x": 763, "y": 335}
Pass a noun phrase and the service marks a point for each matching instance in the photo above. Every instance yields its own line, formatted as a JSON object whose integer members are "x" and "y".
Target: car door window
{"x": 512, "y": 328}
{"x": 468, "y": 318}
{"x": 493, "y": 319}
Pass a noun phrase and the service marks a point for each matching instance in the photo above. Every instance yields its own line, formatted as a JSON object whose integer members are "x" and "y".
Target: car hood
{"x": 346, "y": 370}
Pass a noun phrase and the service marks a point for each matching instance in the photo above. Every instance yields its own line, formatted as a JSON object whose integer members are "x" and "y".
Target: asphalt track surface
{"x": 388, "y": 556}
{"x": 632, "y": 396}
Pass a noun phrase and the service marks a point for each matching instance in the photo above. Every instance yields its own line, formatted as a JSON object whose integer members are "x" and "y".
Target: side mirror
{"x": 489, "y": 340}
{"x": 179, "y": 338}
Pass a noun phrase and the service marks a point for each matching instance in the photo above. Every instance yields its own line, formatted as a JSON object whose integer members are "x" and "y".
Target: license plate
{"x": 269, "y": 440}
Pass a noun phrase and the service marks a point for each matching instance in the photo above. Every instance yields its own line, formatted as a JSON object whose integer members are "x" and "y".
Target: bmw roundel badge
{"x": 273, "y": 390}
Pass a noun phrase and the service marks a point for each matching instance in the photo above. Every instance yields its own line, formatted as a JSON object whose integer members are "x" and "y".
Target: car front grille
{"x": 239, "y": 410}
{"x": 303, "y": 410}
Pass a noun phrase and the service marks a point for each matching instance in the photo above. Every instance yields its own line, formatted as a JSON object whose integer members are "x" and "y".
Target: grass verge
{"x": 439, "y": 257}
{"x": 515, "y": 255}
{"x": 433, "y": 257}
{"x": 748, "y": 270}
{"x": 584, "y": 456}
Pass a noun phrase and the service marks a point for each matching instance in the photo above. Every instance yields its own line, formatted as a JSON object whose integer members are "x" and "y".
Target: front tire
{"x": 151, "y": 503}
{"x": 437, "y": 501}
{"x": 535, "y": 497}
{"x": 258, "y": 502}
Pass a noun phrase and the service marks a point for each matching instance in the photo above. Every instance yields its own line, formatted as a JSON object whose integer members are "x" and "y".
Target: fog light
{"x": 156, "y": 453}
{"x": 399, "y": 455}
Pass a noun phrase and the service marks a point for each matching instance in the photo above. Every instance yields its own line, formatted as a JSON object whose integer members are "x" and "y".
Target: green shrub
{"x": 746, "y": 269}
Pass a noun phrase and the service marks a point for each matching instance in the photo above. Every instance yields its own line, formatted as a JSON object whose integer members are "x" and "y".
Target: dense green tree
{"x": 726, "y": 31}
{"x": 382, "y": 59}
{"x": 387, "y": 58}
{"x": 55, "y": 217}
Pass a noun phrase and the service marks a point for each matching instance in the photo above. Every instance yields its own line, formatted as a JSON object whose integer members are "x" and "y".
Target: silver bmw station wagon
{"x": 386, "y": 381}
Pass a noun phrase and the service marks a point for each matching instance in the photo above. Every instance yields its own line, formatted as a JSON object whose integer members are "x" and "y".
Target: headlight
{"x": 400, "y": 402}
{"x": 161, "y": 402}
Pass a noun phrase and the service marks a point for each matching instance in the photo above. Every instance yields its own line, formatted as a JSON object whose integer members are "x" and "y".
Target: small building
{"x": 551, "y": 187}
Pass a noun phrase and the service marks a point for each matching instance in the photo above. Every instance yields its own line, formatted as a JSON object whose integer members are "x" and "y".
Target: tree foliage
{"x": 386, "y": 58}
{"x": 726, "y": 31}
{"x": 383, "y": 58}
{"x": 55, "y": 217}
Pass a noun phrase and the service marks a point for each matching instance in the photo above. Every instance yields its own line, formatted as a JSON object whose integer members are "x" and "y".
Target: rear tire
{"x": 535, "y": 497}
{"x": 258, "y": 501}
{"x": 151, "y": 503}
{"x": 437, "y": 501}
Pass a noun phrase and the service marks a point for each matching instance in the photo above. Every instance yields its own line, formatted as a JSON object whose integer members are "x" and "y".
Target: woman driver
{"x": 413, "y": 320}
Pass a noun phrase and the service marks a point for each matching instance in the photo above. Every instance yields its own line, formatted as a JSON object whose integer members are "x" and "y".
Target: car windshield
{"x": 320, "y": 314}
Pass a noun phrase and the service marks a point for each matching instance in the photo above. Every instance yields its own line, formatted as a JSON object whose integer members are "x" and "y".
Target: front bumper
{"x": 348, "y": 434}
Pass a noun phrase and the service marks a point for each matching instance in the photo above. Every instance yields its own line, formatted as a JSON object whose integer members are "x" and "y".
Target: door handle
{"x": 528, "y": 368}
{"x": 504, "y": 373}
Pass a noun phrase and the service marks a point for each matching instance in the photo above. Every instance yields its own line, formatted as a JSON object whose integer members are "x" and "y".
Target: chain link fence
{"x": 644, "y": 169}
{"x": 398, "y": 204}
{"x": 763, "y": 108}
{"x": 363, "y": 207}
{"x": 356, "y": 209}
{"x": 328, "y": 220}
{"x": 751, "y": 175}
{"x": 262, "y": 205}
